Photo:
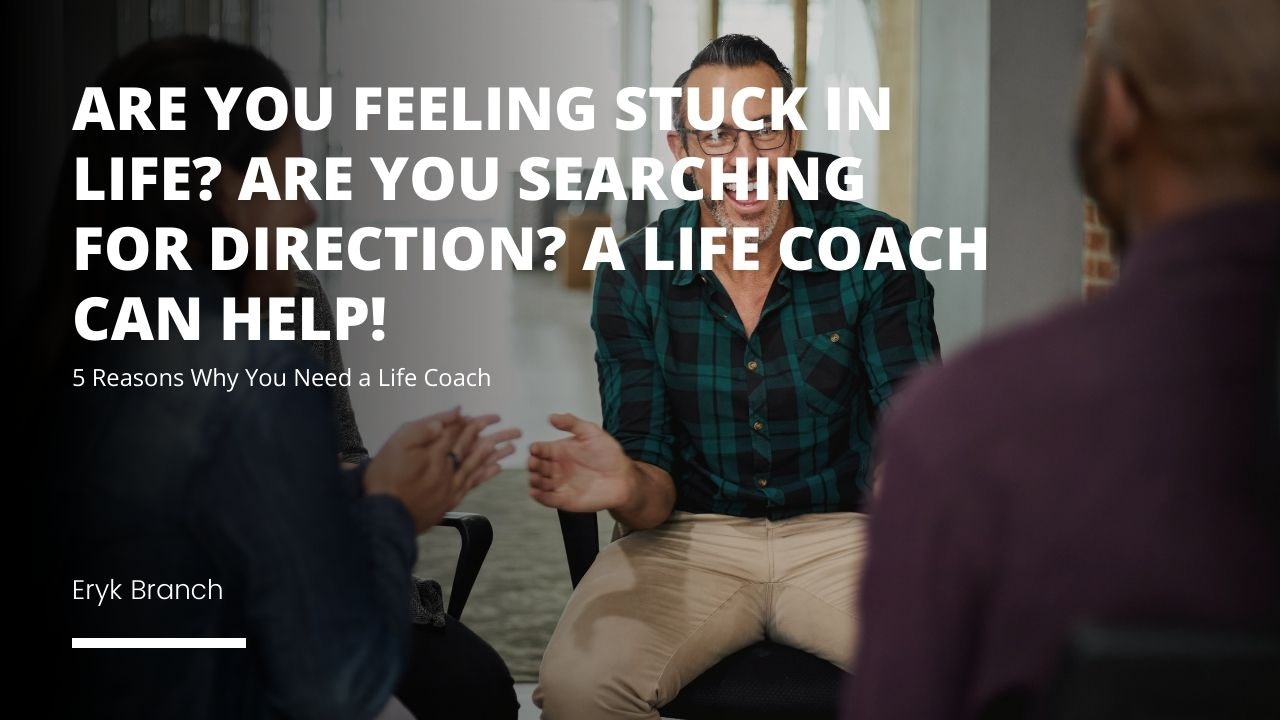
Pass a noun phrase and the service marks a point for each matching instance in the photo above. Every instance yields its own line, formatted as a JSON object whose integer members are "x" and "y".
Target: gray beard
{"x": 722, "y": 218}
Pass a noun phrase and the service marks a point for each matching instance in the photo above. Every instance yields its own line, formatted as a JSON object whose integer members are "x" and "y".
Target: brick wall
{"x": 1099, "y": 264}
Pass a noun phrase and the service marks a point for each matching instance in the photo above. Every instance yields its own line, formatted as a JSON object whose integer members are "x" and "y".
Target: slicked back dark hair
{"x": 734, "y": 51}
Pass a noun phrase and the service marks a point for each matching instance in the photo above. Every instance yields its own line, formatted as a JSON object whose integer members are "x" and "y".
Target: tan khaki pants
{"x": 660, "y": 606}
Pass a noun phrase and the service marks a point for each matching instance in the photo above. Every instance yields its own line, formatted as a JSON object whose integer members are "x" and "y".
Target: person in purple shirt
{"x": 1117, "y": 460}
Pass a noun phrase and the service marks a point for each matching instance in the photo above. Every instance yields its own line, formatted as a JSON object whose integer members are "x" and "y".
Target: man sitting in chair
{"x": 738, "y": 412}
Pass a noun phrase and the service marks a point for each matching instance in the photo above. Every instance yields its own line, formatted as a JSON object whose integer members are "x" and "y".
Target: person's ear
{"x": 1121, "y": 114}
{"x": 675, "y": 141}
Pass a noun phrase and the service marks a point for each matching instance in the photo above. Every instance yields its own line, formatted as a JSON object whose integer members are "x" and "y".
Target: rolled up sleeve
{"x": 896, "y": 325}
{"x": 633, "y": 396}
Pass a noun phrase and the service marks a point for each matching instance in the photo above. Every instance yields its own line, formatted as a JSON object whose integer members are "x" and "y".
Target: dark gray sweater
{"x": 350, "y": 445}
{"x": 426, "y": 599}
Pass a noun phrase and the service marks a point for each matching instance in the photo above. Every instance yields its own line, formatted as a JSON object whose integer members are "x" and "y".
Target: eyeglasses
{"x": 723, "y": 140}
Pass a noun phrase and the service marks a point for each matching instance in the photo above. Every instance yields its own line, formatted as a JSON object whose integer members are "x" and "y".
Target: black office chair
{"x": 765, "y": 681}
{"x": 425, "y": 638}
{"x": 477, "y": 535}
{"x": 1120, "y": 673}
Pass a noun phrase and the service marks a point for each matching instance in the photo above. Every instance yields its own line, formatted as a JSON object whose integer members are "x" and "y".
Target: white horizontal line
{"x": 162, "y": 643}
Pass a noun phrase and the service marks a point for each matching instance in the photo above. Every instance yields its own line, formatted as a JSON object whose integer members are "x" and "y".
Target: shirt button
{"x": 752, "y": 365}
{"x": 835, "y": 337}
{"x": 761, "y": 482}
{"x": 757, "y": 426}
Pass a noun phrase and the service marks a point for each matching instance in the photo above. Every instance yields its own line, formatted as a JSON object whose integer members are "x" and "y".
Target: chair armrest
{"x": 477, "y": 536}
{"x": 581, "y": 542}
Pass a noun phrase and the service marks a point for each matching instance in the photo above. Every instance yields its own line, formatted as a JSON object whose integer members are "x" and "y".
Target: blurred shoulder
{"x": 1002, "y": 387}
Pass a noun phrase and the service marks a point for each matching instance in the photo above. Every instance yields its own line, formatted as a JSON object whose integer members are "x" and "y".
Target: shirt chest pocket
{"x": 828, "y": 373}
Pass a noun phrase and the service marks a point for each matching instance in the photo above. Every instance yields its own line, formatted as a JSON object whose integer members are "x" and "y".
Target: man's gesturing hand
{"x": 587, "y": 472}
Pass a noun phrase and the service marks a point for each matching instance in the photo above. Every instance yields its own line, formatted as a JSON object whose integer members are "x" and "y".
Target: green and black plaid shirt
{"x": 778, "y": 423}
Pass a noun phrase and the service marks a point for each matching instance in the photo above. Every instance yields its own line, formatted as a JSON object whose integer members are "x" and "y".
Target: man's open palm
{"x": 586, "y": 472}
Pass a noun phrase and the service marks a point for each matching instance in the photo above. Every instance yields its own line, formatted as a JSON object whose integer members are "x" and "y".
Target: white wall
{"x": 951, "y": 150}
{"x": 1036, "y": 208}
{"x": 998, "y": 80}
{"x": 447, "y": 318}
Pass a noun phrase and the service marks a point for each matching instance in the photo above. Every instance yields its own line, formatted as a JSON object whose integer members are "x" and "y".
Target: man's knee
{"x": 574, "y": 685}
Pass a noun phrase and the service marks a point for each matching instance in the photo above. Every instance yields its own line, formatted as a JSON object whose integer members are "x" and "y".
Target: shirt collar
{"x": 689, "y": 216}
